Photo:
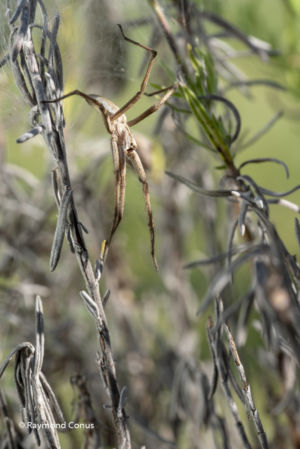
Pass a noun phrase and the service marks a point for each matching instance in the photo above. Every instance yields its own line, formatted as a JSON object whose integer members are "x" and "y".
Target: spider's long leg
{"x": 138, "y": 167}
{"x": 120, "y": 187}
{"x": 144, "y": 83}
{"x": 169, "y": 91}
{"x": 88, "y": 98}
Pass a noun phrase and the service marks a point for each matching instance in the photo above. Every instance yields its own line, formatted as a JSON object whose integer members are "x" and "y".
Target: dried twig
{"x": 247, "y": 390}
{"x": 217, "y": 349}
{"x": 37, "y": 78}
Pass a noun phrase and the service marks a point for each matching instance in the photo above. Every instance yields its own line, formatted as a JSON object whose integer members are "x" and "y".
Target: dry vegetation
{"x": 133, "y": 357}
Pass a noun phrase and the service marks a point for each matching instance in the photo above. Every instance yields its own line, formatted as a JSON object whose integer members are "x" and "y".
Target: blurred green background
{"x": 103, "y": 64}
{"x": 150, "y": 310}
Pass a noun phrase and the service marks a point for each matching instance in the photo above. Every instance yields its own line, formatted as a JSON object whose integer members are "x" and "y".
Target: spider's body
{"x": 123, "y": 144}
{"x": 107, "y": 107}
{"x": 117, "y": 127}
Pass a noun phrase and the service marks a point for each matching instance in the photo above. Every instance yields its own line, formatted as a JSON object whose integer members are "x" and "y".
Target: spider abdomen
{"x": 126, "y": 141}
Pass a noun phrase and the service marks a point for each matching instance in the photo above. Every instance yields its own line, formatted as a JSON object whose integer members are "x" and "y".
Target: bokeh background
{"x": 158, "y": 341}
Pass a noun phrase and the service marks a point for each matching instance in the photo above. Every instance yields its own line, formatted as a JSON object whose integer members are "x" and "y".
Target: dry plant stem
{"x": 55, "y": 143}
{"x": 246, "y": 390}
{"x": 162, "y": 20}
{"x": 232, "y": 170}
{"x": 53, "y": 135}
{"x": 215, "y": 347}
{"x": 39, "y": 405}
{"x": 108, "y": 371}
{"x": 60, "y": 229}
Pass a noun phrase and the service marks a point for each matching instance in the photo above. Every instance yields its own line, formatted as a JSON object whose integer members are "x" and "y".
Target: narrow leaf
{"x": 266, "y": 159}
{"x": 60, "y": 229}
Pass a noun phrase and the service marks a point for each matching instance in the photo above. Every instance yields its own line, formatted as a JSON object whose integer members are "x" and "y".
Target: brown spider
{"x": 123, "y": 144}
